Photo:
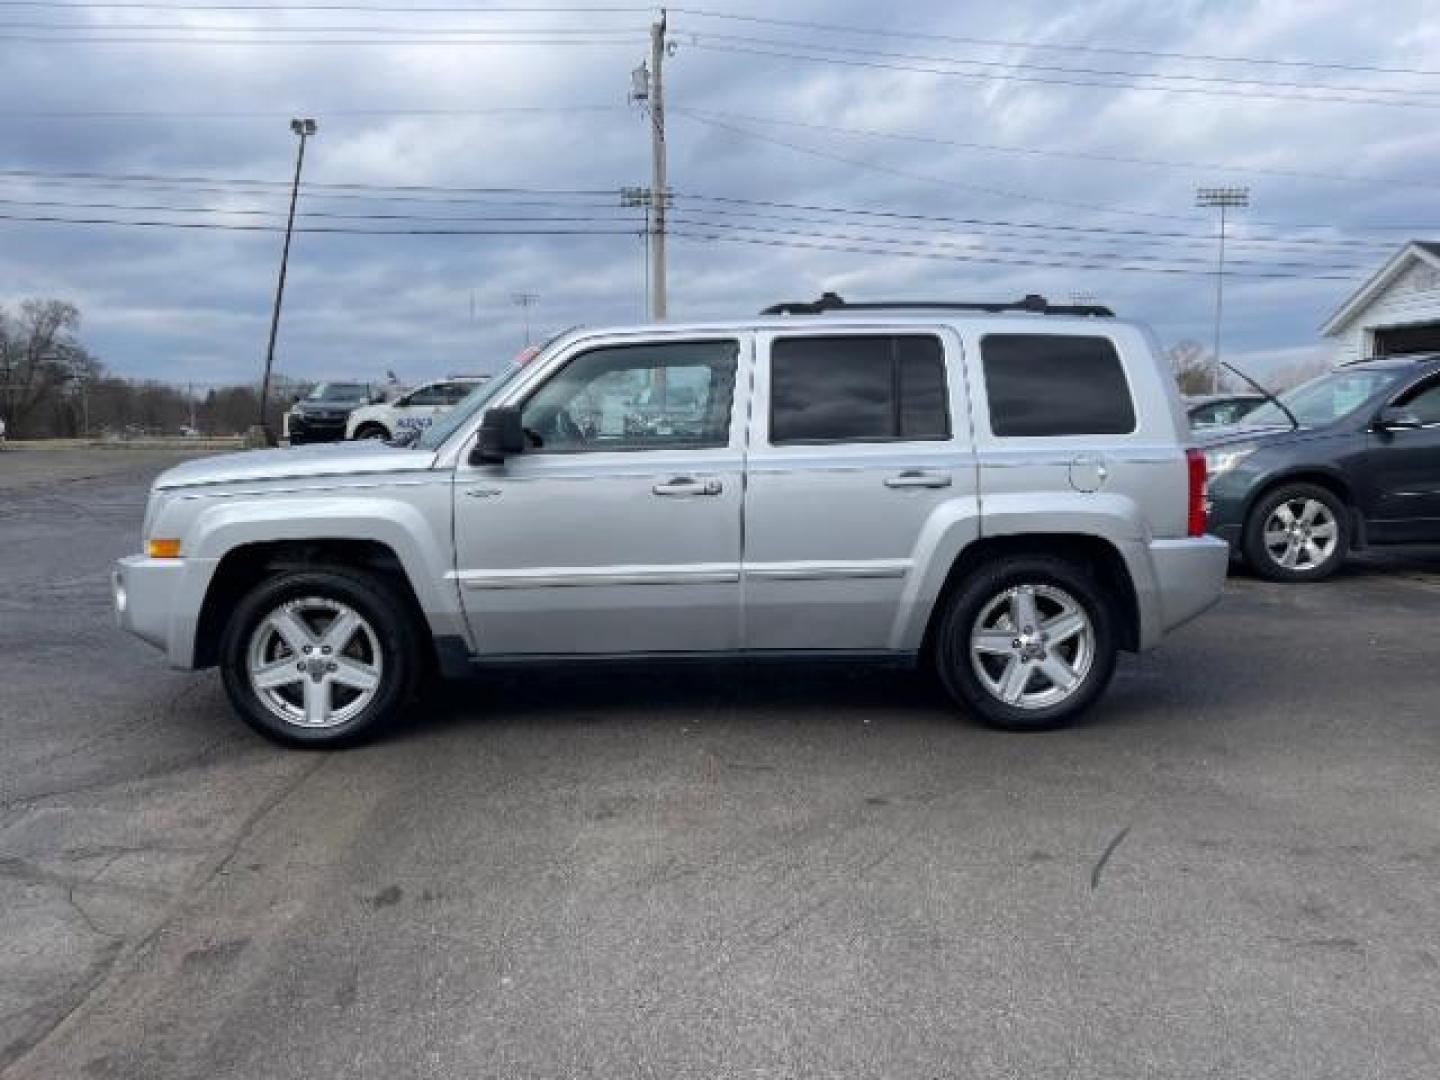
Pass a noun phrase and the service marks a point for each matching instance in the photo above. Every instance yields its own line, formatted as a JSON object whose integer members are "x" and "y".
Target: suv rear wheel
{"x": 320, "y": 657}
{"x": 1298, "y": 532}
{"x": 1027, "y": 643}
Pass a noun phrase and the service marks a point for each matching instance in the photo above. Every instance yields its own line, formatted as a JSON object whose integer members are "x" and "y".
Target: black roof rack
{"x": 1034, "y": 302}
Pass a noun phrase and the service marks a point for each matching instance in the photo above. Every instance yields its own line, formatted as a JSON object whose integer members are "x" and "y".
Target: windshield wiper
{"x": 1294, "y": 424}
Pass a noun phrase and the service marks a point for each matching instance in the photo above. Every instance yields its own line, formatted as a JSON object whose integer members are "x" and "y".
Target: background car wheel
{"x": 371, "y": 431}
{"x": 1298, "y": 532}
{"x": 1027, "y": 643}
{"x": 320, "y": 657}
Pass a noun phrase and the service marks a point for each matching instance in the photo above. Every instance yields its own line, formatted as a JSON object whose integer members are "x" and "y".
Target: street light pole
{"x": 303, "y": 128}
{"x": 1221, "y": 198}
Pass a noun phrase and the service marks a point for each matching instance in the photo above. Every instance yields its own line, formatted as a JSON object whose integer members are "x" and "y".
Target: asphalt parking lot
{"x": 1231, "y": 870}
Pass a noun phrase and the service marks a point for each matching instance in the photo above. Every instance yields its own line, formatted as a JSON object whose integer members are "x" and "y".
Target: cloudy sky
{"x": 469, "y": 153}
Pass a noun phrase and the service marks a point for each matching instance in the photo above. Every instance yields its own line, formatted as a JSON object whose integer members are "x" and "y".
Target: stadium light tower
{"x": 525, "y": 301}
{"x": 303, "y": 128}
{"x": 1222, "y": 198}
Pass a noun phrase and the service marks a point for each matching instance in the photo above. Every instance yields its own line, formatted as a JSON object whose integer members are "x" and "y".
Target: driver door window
{"x": 636, "y": 397}
{"x": 1425, "y": 403}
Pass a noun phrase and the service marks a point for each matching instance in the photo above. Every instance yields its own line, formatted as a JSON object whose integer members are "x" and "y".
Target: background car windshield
{"x": 1324, "y": 400}
{"x": 467, "y": 407}
{"x": 337, "y": 391}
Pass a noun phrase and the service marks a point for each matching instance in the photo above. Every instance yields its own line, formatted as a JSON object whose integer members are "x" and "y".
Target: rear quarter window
{"x": 1048, "y": 385}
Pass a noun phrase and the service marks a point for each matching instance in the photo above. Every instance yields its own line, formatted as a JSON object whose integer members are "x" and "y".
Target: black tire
{"x": 395, "y": 635}
{"x": 371, "y": 431}
{"x": 1258, "y": 555}
{"x": 952, "y": 657}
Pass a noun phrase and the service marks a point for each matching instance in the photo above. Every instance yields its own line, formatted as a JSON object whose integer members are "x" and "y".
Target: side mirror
{"x": 1397, "y": 418}
{"x": 501, "y": 436}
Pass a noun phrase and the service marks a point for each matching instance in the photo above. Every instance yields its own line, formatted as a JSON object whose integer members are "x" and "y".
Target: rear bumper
{"x": 159, "y": 601}
{"x": 1186, "y": 579}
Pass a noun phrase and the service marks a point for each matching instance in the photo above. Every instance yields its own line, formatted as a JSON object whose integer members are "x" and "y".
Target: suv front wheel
{"x": 320, "y": 657}
{"x": 1027, "y": 643}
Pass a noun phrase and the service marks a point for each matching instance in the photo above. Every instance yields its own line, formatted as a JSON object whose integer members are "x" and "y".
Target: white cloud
{"x": 162, "y": 301}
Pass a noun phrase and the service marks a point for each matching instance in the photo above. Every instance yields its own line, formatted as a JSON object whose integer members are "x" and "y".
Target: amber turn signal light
{"x": 163, "y": 549}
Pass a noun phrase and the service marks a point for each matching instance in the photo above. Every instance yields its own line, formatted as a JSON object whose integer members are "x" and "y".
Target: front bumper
{"x": 313, "y": 431}
{"x": 159, "y": 601}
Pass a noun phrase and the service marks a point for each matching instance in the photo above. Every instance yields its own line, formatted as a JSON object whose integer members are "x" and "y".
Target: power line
{"x": 605, "y": 197}
{"x": 221, "y": 211}
{"x": 869, "y": 32}
{"x": 1045, "y": 263}
{"x": 861, "y": 163}
{"x": 388, "y": 9}
{"x": 307, "y": 186}
{"x": 925, "y": 223}
{"x": 884, "y": 32}
{"x": 52, "y": 219}
{"x": 1025, "y": 65}
{"x": 780, "y": 52}
{"x": 199, "y": 114}
{"x": 621, "y": 38}
{"x": 1171, "y": 259}
{"x": 719, "y": 231}
{"x": 1114, "y": 159}
{"x": 311, "y": 28}
{"x": 169, "y": 208}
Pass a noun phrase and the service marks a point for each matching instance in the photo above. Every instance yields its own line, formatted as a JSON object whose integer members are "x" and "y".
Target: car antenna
{"x": 1295, "y": 424}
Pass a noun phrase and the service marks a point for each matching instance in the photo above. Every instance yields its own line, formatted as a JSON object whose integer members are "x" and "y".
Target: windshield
{"x": 464, "y": 409}
{"x": 1324, "y": 400}
{"x": 338, "y": 391}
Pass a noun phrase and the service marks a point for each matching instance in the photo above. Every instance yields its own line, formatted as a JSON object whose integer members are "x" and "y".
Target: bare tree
{"x": 1191, "y": 362}
{"x": 39, "y": 355}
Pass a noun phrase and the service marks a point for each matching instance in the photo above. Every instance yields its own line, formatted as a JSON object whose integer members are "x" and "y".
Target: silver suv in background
{"x": 1000, "y": 491}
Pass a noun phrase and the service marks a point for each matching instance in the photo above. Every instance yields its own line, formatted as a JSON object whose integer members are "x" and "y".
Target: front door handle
{"x": 916, "y": 478}
{"x": 688, "y": 485}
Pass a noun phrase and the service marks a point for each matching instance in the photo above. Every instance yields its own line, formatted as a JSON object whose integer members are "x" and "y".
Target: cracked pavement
{"x": 707, "y": 872}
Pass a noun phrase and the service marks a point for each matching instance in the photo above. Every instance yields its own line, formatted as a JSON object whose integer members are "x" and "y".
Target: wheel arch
{"x": 246, "y": 565}
{"x": 1332, "y": 480}
{"x": 368, "y": 423}
{"x": 1094, "y": 554}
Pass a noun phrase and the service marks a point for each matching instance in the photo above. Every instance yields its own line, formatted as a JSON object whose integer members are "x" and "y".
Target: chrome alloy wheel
{"x": 314, "y": 663}
{"x": 1300, "y": 534}
{"x": 1032, "y": 646}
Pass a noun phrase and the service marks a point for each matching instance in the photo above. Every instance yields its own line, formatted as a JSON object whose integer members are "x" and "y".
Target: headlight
{"x": 1221, "y": 460}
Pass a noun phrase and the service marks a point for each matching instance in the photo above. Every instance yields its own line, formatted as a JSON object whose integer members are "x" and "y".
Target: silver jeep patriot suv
{"x": 999, "y": 491}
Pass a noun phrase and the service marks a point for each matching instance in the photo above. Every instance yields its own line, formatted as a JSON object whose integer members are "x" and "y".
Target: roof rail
{"x": 1034, "y": 302}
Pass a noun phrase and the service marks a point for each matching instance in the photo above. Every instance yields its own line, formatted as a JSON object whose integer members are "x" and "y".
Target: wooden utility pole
{"x": 658, "y": 194}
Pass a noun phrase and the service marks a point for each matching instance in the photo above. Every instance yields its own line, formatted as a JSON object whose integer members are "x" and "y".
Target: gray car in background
{"x": 1348, "y": 460}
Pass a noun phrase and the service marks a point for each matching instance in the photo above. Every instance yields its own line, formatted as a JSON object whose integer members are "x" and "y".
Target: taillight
{"x": 1195, "y": 460}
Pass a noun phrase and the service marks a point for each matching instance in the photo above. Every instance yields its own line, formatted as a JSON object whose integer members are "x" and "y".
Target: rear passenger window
{"x": 873, "y": 388}
{"x": 1054, "y": 384}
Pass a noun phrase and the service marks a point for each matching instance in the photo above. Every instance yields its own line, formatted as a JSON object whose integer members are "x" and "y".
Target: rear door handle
{"x": 916, "y": 478}
{"x": 688, "y": 485}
